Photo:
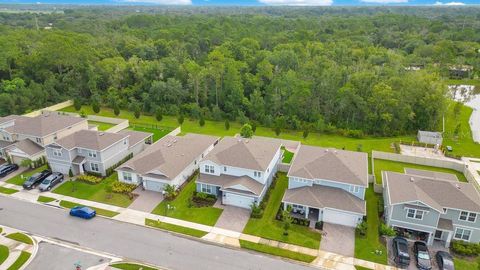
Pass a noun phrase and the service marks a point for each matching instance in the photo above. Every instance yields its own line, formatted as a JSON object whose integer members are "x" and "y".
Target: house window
{"x": 125, "y": 141}
{"x": 94, "y": 167}
{"x": 415, "y": 213}
{"x": 462, "y": 234}
{"x": 5, "y": 137}
{"x": 354, "y": 189}
{"x": 55, "y": 136}
{"x": 92, "y": 154}
{"x": 209, "y": 169}
{"x": 206, "y": 188}
{"x": 38, "y": 140}
{"x": 224, "y": 168}
{"x": 57, "y": 152}
{"x": 127, "y": 176}
{"x": 257, "y": 174}
{"x": 466, "y": 216}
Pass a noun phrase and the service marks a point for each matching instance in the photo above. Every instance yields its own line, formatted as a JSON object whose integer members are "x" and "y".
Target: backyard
{"x": 394, "y": 166}
{"x": 158, "y": 132}
{"x": 270, "y": 228}
{"x": 182, "y": 208}
{"x": 369, "y": 247}
{"x": 102, "y": 126}
{"x": 287, "y": 156}
{"x": 94, "y": 192}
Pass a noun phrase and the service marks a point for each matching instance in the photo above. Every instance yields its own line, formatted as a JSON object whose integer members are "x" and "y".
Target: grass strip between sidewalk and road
{"x": 101, "y": 212}
{"x": 174, "y": 228}
{"x": 3, "y": 253}
{"x": 361, "y": 268}
{"x": 45, "y": 199}
{"x": 20, "y": 237}
{"x": 22, "y": 259}
{"x": 131, "y": 266}
{"x": 277, "y": 251}
{"x": 8, "y": 191}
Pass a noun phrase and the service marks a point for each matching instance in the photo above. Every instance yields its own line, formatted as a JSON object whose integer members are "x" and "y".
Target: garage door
{"x": 17, "y": 160}
{"x": 336, "y": 217}
{"x": 238, "y": 200}
{"x": 60, "y": 168}
{"x": 153, "y": 185}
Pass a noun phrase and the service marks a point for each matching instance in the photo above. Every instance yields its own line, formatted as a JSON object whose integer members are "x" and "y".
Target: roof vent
{"x": 175, "y": 140}
{"x": 246, "y": 141}
{"x": 412, "y": 179}
{"x": 169, "y": 145}
{"x": 457, "y": 186}
{"x": 335, "y": 151}
{"x": 101, "y": 134}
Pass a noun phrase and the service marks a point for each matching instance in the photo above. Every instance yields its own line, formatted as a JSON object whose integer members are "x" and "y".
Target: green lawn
{"x": 7, "y": 191}
{"x": 3, "y": 253}
{"x": 361, "y": 268}
{"x": 18, "y": 180}
{"x": 20, "y": 237}
{"x": 45, "y": 199}
{"x": 218, "y": 128}
{"x": 287, "y": 156}
{"x": 158, "y": 133}
{"x": 277, "y": 251}
{"x": 365, "y": 247}
{"x": 465, "y": 264}
{"x": 394, "y": 166}
{"x": 101, "y": 212}
{"x": 22, "y": 259}
{"x": 102, "y": 126}
{"x": 270, "y": 228}
{"x": 175, "y": 228}
{"x": 131, "y": 266}
{"x": 183, "y": 210}
{"x": 92, "y": 192}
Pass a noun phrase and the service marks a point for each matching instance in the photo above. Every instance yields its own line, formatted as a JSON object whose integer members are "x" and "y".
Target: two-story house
{"x": 431, "y": 206}
{"x": 94, "y": 151}
{"x": 169, "y": 161}
{"x": 24, "y": 137}
{"x": 239, "y": 171}
{"x": 328, "y": 185}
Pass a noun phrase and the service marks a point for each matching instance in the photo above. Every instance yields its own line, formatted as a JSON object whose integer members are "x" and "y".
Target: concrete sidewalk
{"x": 215, "y": 235}
{"x": 15, "y": 249}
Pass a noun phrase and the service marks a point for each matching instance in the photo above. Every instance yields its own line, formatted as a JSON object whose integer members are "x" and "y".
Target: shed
{"x": 430, "y": 137}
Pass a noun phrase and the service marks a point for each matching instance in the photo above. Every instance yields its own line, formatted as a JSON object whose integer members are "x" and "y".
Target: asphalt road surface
{"x": 131, "y": 241}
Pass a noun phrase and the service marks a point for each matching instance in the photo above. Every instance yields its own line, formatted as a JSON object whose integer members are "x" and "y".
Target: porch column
{"x": 430, "y": 239}
{"x": 449, "y": 239}
{"x": 284, "y": 206}
{"x": 306, "y": 212}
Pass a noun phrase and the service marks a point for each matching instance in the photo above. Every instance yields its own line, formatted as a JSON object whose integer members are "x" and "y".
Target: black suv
{"x": 400, "y": 251}
{"x": 6, "y": 169}
{"x": 422, "y": 255}
{"x": 36, "y": 179}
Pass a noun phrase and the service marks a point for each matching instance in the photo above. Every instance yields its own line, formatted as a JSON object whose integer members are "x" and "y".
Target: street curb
{"x": 34, "y": 253}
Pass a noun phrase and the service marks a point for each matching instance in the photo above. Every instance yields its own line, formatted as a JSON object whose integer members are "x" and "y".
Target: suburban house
{"x": 169, "y": 161}
{"x": 240, "y": 170}
{"x": 24, "y": 137}
{"x": 430, "y": 137}
{"x": 328, "y": 185}
{"x": 94, "y": 151}
{"x": 434, "y": 207}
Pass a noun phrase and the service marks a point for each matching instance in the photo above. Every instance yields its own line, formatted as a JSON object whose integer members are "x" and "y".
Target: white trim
{"x": 463, "y": 231}
{"x": 335, "y": 209}
{"x": 416, "y": 224}
{"x": 467, "y": 217}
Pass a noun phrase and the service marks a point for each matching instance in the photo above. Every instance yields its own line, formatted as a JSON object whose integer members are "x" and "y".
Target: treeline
{"x": 324, "y": 73}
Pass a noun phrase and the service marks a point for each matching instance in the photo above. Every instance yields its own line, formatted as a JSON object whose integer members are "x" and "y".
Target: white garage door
{"x": 336, "y": 217}
{"x": 238, "y": 200}
{"x": 60, "y": 168}
{"x": 153, "y": 186}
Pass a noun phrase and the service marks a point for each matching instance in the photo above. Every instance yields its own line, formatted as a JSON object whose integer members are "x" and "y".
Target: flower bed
{"x": 200, "y": 199}
{"x": 89, "y": 179}
{"x": 119, "y": 187}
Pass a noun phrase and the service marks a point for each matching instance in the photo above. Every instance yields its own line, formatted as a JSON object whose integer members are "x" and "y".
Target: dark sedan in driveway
{"x": 51, "y": 181}
{"x": 422, "y": 255}
{"x": 83, "y": 212}
{"x": 444, "y": 261}
{"x": 7, "y": 169}
{"x": 36, "y": 179}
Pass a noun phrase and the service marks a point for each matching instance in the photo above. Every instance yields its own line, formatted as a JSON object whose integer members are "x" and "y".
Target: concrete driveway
{"x": 338, "y": 239}
{"x": 13, "y": 174}
{"x": 233, "y": 218}
{"x": 146, "y": 201}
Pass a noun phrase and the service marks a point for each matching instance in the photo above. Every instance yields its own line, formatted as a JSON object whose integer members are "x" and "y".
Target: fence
{"x": 283, "y": 167}
{"x": 55, "y": 107}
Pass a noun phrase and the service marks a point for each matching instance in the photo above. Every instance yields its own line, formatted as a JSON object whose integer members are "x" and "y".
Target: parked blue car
{"x": 83, "y": 212}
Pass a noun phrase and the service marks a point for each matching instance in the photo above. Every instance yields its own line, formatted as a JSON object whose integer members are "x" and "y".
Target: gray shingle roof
{"x": 28, "y": 147}
{"x": 318, "y": 196}
{"x": 432, "y": 174}
{"x": 43, "y": 125}
{"x": 169, "y": 155}
{"x": 435, "y": 193}
{"x": 430, "y": 134}
{"x": 4, "y": 144}
{"x": 253, "y": 154}
{"x": 228, "y": 182}
{"x": 312, "y": 162}
{"x": 90, "y": 139}
{"x": 136, "y": 136}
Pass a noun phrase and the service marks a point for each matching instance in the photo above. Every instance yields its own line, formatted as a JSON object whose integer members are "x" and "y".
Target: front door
{"x": 438, "y": 235}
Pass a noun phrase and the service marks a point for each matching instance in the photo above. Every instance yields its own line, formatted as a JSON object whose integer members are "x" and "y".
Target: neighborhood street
{"x": 131, "y": 241}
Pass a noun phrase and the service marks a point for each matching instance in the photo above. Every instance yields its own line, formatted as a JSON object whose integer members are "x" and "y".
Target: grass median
{"x": 8, "y": 191}
{"x": 131, "y": 266}
{"x": 101, "y": 212}
{"x": 277, "y": 251}
{"x": 21, "y": 260}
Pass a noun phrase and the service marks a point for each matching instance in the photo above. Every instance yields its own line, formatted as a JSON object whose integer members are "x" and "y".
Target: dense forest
{"x": 324, "y": 69}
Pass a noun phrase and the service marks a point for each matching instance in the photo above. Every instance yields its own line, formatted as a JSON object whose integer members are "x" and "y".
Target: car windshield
{"x": 423, "y": 255}
{"x": 46, "y": 181}
{"x": 32, "y": 178}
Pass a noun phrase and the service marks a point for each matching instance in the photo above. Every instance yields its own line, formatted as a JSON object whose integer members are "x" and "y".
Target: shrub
{"x": 319, "y": 225}
{"x": 227, "y": 124}
{"x": 361, "y": 228}
{"x": 119, "y": 187}
{"x": 77, "y": 104}
{"x": 465, "y": 248}
{"x": 180, "y": 119}
{"x": 158, "y": 115}
{"x": 201, "y": 122}
{"x": 201, "y": 199}
{"x": 246, "y": 131}
{"x": 257, "y": 211}
{"x": 95, "y": 107}
{"x": 90, "y": 179}
{"x": 116, "y": 110}
{"x": 386, "y": 230}
{"x": 354, "y": 133}
{"x": 96, "y": 174}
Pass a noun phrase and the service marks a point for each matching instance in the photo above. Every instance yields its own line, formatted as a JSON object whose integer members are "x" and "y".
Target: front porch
{"x": 304, "y": 212}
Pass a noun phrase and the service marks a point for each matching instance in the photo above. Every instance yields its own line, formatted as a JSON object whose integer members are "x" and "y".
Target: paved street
{"x": 131, "y": 241}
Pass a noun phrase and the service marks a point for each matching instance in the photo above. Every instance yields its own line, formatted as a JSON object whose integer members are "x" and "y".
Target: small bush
{"x": 90, "y": 179}
{"x": 465, "y": 248}
{"x": 257, "y": 211}
{"x": 201, "y": 199}
{"x": 361, "y": 228}
{"x": 119, "y": 187}
{"x": 96, "y": 174}
{"x": 354, "y": 133}
{"x": 386, "y": 230}
{"x": 319, "y": 225}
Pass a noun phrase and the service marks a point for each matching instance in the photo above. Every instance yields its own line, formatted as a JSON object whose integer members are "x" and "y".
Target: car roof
{"x": 445, "y": 254}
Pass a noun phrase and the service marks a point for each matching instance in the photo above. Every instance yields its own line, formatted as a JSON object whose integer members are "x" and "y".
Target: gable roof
{"x": 343, "y": 166}
{"x": 42, "y": 125}
{"x": 254, "y": 154}
{"x": 90, "y": 139}
{"x": 436, "y": 193}
{"x": 28, "y": 147}
{"x": 432, "y": 174}
{"x": 325, "y": 197}
{"x": 135, "y": 137}
{"x": 228, "y": 182}
{"x": 169, "y": 155}
{"x": 9, "y": 118}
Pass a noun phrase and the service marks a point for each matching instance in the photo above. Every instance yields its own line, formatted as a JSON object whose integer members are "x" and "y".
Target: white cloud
{"x": 385, "y": 1}
{"x": 449, "y": 4}
{"x": 297, "y": 2}
{"x": 160, "y": 2}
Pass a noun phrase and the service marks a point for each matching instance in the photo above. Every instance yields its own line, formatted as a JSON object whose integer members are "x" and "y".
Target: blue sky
{"x": 255, "y": 2}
